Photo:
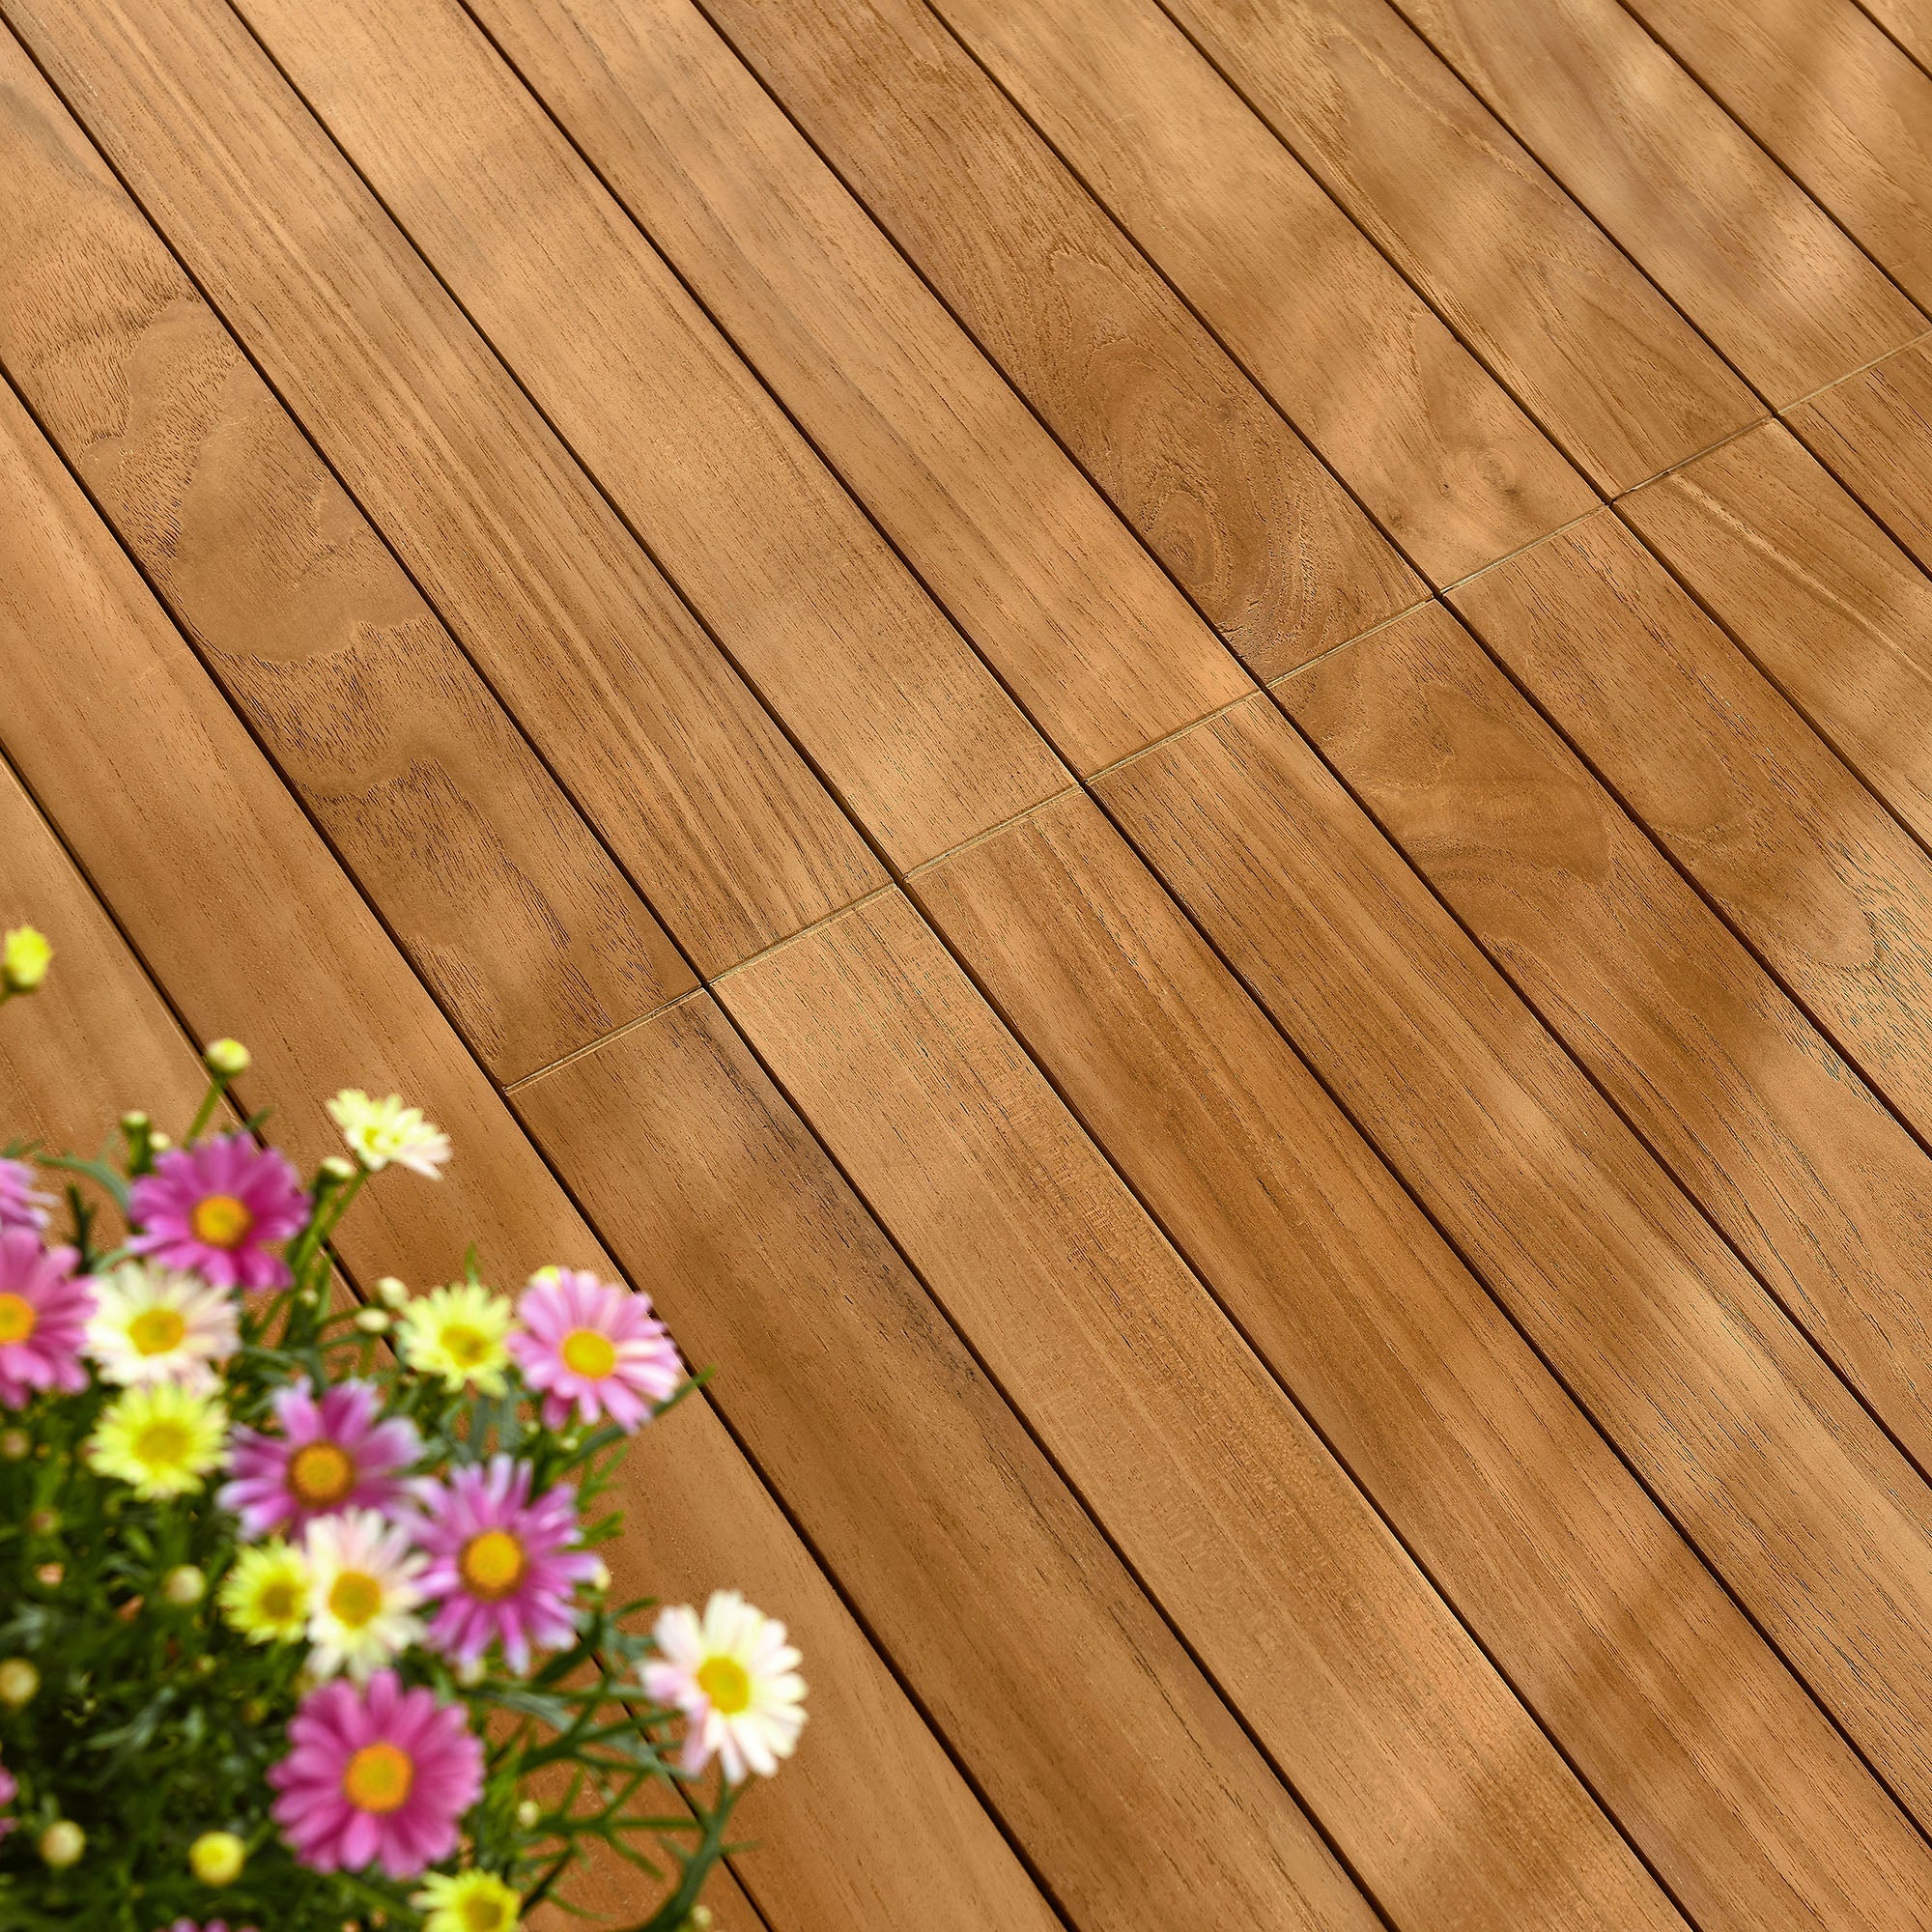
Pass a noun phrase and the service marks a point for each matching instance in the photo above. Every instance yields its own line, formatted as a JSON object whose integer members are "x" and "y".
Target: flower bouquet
{"x": 302, "y": 1623}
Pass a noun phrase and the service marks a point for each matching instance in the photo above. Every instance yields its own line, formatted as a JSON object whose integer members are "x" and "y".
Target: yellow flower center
{"x": 491, "y": 1564}
{"x": 221, "y": 1221}
{"x": 321, "y": 1473}
{"x": 163, "y": 1444}
{"x": 354, "y": 1599}
{"x": 726, "y": 1683}
{"x": 485, "y": 1914}
{"x": 585, "y": 1353}
{"x": 280, "y": 1600}
{"x": 466, "y": 1346}
{"x": 19, "y": 1319}
{"x": 156, "y": 1330}
{"x": 378, "y": 1778}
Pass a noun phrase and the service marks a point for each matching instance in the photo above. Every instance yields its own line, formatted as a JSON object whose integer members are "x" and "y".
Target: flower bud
{"x": 16, "y": 1444}
{"x": 19, "y": 1682}
{"x": 62, "y": 1843}
{"x": 528, "y": 1813}
{"x": 183, "y": 1586}
{"x": 472, "y": 1671}
{"x": 50, "y": 1574}
{"x": 216, "y": 1857}
{"x": 24, "y": 954}
{"x": 600, "y": 1577}
{"x": 336, "y": 1169}
{"x": 391, "y": 1293}
{"x": 373, "y": 1320}
{"x": 135, "y": 1121}
{"x": 159, "y": 1141}
{"x": 226, "y": 1059}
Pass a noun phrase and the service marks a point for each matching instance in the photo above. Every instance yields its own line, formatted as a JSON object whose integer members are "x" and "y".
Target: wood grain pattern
{"x": 1411, "y": 1751}
{"x": 1791, "y": 1492}
{"x": 1818, "y": 1186}
{"x": 1835, "y": 100}
{"x": 1825, "y": 603}
{"x": 1589, "y": 346}
{"x": 236, "y": 905}
{"x": 1086, "y": 630}
{"x": 1092, "y": 1733}
{"x": 526, "y": 930}
{"x": 693, "y": 787}
{"x": 909, "y": 727}
{"x": 1445, "y": 460}
{"x": 1908, "y": 22}
{"x": 1194, "y": 458}
{"x": 1695, "y": 1735}
{"x": 1808, "y": 865}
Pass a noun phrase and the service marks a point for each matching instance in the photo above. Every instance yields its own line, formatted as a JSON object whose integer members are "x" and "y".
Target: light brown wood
{"x": 1216, "y": 484}
{"x": 696, "y": 790}
{"x": 1585, "y": 342}
{"x": 1441, "y": 456}
{"x": 1834, "y": 99}
{"x": 1675, "y": 1350}
{"x": 911, "y": 730}
{"x": 1817, "y": 1185}
{"x": 1091, "y": 1730}
{"x": 527, "y": 934}
{"x": 1084, "y": 627}
{"x": 1431, "y": 1776}
{"x": 236, "y": 905}
{"x": 1908, "y": 22}
{"x": 1697, "y": 1739}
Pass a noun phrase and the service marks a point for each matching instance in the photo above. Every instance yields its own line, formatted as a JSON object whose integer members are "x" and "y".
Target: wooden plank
{"x": 530, "y": 937}
{"x": 1821, "y": 1191}
{"x": 1431, "y": 1779}
{"x": 236, "y": 905}
{"x": 693, "y": 787}
{"x": 1589, "y": 346}
{"x": 1908, "y": 22}
{"x": 1085, "y": 629}
{"x": 1804, "y": 862}
{"x": 1825, "y": 604}
{"x": 1444, "y": 460}
{"x": 1091, "y": 1730}
{"x": 1835, "y": 100}
{"x": 1219, "y": 487}
{"x": 1746, "y": 254}
{"x": 910, "y": 728}
{"x": 1695, "y": 1737}
{"x": 1673, "y": 1348}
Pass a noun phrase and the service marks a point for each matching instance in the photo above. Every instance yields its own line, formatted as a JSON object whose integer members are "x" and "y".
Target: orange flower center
{"x": 355, "y": 1598}
{"x": 221, "y": 1221}
{"x": 586, "y": 1352}
{"x": 491, "y": 1564}
{"x": 156, "y": 1330}
{"x": 378, "y": 1778}
{"x": 19, "y": 1319}
{"x": 726, "y": 1683}
{"x": 321, "y": 1473}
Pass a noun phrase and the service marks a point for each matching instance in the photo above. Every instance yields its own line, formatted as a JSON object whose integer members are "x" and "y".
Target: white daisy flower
{"x": 151, "y": 1324}
{"x": 381, "y": 1132}
{"x": 735, "y": 1679}
{"x": 362, "y": 1593}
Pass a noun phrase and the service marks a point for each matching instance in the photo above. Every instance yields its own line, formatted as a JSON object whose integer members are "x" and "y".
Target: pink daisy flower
{"x": 20, "y": 1205}
{"x": 331, "y": 1455}
{"x": 44, "y": 1312}
{"x": 594, "y": 1347}
{"x": 10, "y": 1789}
{"x": 212, "y": 1209}
{"x": 379, "y": 1774}
{"x": 500, "y": 1564}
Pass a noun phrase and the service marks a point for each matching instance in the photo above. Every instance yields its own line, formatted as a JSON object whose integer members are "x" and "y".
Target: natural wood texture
{"x": 1746, "y": 254}
{"x": 1825, "y": 603}
{"x": 910, "y": 728}
{"x": 1442, "y": 457}
{"x": 1589, "y": 346}
{"x": 1431, "y": 1776}
{"x": 1804, "y": 862}
{"x": 1089, "y": 1727}
{"x": 529, "y": 935}
{"x": 1673, "y": 1348}
{"x": 1834, "y": 99}
{"x": 1908, "y": 22}
{"x": 1084, "y": 627}
{"x": 1873, "y": 431}
{"x": 237, "y": 907}
{"x": 692, "y": 786}
{"x": 1818, "y": 1186}
{"x": 1695, "y": 1737}
{"x": 1217, "y": 485}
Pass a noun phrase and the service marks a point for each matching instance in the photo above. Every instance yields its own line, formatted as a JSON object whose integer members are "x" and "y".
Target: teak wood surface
{"x": 1177, "y": 755}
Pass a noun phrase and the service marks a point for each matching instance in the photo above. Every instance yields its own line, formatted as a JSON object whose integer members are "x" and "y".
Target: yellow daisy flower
{"x": 266, "y": 1595}
{"x": 162, "y": 1439}
{"x": 459, "y": 1333}
{"x": 471, "y": 1901}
